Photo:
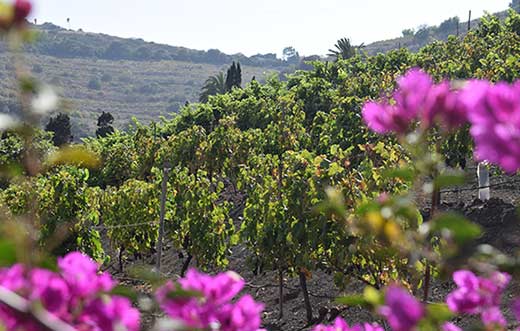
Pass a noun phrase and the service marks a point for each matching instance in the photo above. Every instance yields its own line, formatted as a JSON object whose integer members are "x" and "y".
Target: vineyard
{"x": 340, "y": 187}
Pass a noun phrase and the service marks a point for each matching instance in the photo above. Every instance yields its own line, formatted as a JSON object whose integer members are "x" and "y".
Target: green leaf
{"x": 462, "y": 229}
{"x": 373, "y": 296}
{"x": 146, "y": 275}
{"x": 7, "y": 253}
{"x": 74, "y": 155}
{"x": 124, "y": 291}
{"x": 405, "y": 174}
{"x": 352, "y": 300}
{"x": 439, "y": 312}
{"x": 447, "y": 180}
{"x": 180, "y": 293}
{"x": 48, "y": 263}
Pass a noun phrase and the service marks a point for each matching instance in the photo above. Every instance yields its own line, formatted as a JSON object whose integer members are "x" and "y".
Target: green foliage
{"x": 198, "y": 222}
{"x": 61, "y": 128}
{"x": 12, "y": 151}
{"x": 104, "y": 123}
{"x": 448, "y": 26}
{"x": 66, "y": 209}
{"x": 131, "y": 214}
{"x": 295, "y": 153}
{"x": 117, "y": 155}
{"x": 344, "y": 49}
{"x": 290, "y": 55}
{"x": 214, "y": 85}
{"x": 94, "y": 84}
{"x": 234, "y": 76}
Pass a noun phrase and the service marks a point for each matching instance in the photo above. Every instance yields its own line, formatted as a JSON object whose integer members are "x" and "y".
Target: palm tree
{"x": 213, "y": 85}
{"x": 344, "y": 49}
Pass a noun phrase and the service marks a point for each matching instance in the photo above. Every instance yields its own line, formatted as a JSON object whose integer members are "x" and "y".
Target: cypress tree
{"x": 104, "y": 123}
{"x": 61, "y": 127}
{"x": 238, "y": 76}
{"x": 233, "y": 76}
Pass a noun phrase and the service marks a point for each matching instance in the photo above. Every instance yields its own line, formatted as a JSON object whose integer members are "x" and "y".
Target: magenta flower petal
{"x": 516, "y": 308}
{"x": 494, "y": 114}
{"x": 77, "y": 295}
{"x": 338, "y": 325}
{"x": 448, "y": 326}
{"x": 215, "y": 305}
{"x": 493, "y": 317}
{"x": 401, "y": 309}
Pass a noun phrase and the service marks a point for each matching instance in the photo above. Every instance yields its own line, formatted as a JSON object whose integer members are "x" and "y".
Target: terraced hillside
{"x": 126, "y": 88}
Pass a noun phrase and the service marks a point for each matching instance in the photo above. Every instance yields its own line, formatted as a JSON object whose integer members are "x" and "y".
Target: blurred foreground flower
{"x": 77, "y": 294}
{"x": 14, "y": 15}
{"x": 417, "y": 99}
{"x": 45, "y": 101}
{"x": 494, "y": 114}
{"x": 203, "y": 301}
{"x": 341, "y": 325}
{"x": 402, "y": 311}
{"x": 479, "y": 295}
{"x": 7, "y": 122}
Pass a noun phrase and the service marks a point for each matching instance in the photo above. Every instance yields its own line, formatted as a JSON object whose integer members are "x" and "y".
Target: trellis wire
{"x": 476, "y": 187}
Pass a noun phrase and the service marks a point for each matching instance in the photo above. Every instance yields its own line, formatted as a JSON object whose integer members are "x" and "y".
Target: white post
{"x": 483, "y": 181}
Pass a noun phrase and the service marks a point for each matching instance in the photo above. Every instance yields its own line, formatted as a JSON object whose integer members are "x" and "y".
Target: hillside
{"x": 127, "y": 77}
{"x": 132, "y": 77}
{"x": 416, "y": 39}
{"x": 125, "y": 88}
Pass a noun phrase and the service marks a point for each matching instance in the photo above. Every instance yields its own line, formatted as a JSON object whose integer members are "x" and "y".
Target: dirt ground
{"x": 498, "y": 218}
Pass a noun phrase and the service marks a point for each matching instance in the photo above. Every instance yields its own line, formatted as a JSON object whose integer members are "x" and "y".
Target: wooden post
{"x": 280, "y": 292}
{"x": 469, "y": 21}
{"x": 306, "y": 300}
{"x": 166, "y": 169}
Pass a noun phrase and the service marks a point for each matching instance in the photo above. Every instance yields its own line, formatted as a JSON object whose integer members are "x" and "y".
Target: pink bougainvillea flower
{"x": 243, "y": 315}
{"x": 218, "y": 289}
{"x": 444, "y": 107}
{"x": 492, "y": 316}
{"x": 448, "y": 326}
{"x": 474, "y": 294}
{"x": 516, "y": 308}
{"x": 466, "y": 298}
{"x": 212, "y": 304}
{"x": 479, "y": 295}
{"x": 401, "y": 309}
{"x": 114, "y": 313}
{"x": 76, "y": 295}
{"x": 383, "y": 118}
{"x": 417, "y": 99}
{"x": 22, "y": 9}
{"x": 409, "y": 99}
{"x": 51, "y": 290}
{"x": 341, "y": 325}
{"x": 494, "y": 114}
{"x": 81, "y": 273}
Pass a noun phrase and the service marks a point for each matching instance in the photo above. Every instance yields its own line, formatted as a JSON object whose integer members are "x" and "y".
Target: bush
{"x": 94, "y": 84}
{"x": 106, "y": 78}
{"x": 37, "y": 69}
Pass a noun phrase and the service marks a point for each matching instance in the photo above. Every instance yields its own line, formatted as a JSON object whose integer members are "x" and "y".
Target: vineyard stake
{"x": 469, "y": 21}
{"x": 166, "y": 169}
{"x": 483, "y": 181}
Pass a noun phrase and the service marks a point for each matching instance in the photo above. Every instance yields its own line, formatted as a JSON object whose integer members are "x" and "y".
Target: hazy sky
{"x": 257, "y": 26}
